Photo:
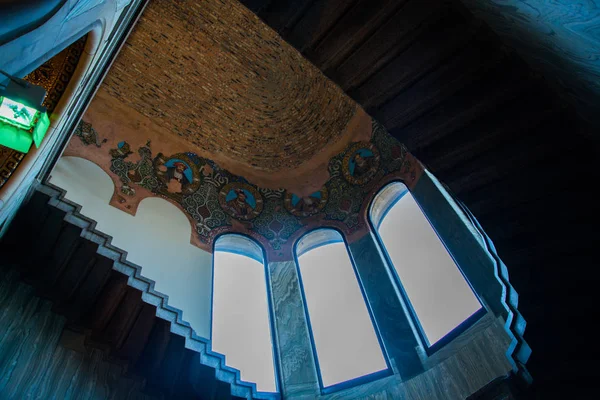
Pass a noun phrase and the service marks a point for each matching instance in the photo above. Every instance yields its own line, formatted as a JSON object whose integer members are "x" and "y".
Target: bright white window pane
{"x": 241, "y": 328}
{"x": 346, "y": 342}
{"x": 440, "y": 295}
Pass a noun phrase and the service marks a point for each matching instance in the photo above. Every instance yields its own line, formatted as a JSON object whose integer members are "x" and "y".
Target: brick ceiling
{"x": 212, "y": 73}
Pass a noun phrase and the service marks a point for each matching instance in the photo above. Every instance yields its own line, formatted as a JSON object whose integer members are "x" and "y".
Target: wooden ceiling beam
{"x": 255, "y": 5}
{"x": 388, "y": 41}
{"x": 425, "y": 55}
{"x": 282, "y": 14}
{"x": 463, "y": 68}
{"x": 316, "y": 22}
{"x": 511, "y": 121}
{"x": 351, "y": 30}
{"x": 504, "y": 83}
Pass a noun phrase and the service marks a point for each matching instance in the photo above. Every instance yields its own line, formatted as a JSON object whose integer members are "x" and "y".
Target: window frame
{"x": 373, "y": 376}
{"x": 429, "y": 348}
{"x": 270, "y": 306}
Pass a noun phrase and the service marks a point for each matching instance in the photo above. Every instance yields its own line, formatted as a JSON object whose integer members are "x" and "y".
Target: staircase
{"x": 105, "y": 299}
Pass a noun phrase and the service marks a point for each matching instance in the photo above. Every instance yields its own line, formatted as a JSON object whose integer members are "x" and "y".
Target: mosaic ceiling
{"x": 213, "y": 74}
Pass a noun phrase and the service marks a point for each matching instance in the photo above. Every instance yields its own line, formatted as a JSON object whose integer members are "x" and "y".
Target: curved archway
{"x": 241, "y": 318}
{"x": 345, "y": 341}
{"x": 156, "y": 238}
{"x": 439, "y": 297}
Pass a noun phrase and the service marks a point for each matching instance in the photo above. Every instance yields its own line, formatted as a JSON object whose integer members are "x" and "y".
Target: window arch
{"x": 345, "y": 342}
{"x": 241, "y": 318}
{"x": 440, "y": 299}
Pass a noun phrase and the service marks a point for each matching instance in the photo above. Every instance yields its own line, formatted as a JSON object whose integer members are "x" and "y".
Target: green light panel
{"x": 16, "y": 113}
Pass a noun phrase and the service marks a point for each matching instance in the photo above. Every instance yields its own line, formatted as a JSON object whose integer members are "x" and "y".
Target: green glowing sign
{"x": 17, "y": 114}
{"x": 21, "y": 125}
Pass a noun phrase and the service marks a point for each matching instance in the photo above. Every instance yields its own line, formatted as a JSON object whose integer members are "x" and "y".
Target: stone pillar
{"x": 297, "y": 367}
{"x": 393, "y": 323}
{"x": 461, "y": 240}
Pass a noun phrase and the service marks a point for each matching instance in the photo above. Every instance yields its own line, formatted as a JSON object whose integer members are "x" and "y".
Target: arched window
{"x": 440, "y": 299}
{"x": 345, "y": 341}
{"x": 241, "y": 321}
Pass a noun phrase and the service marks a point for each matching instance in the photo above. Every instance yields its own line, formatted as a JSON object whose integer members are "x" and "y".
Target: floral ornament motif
{"x": 241, "y": 201}
{"x": 123, "y": 150}
{"x": 88, "y": 134}
{"x": 140, "y": 173}
{"x": 307, "y": 205}
{"x": 127, "y": 190}
{"x": 361, "y": 163}
{"x": 203, "y": 206}
{"x": 275, "y": 224}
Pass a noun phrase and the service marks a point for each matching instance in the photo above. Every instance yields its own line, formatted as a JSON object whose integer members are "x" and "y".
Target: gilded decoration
{"x": 88, "y": 135}
{"x": 178, "y": 174}
{"x": 54, "y": 76}
{"x": 241, "y": 201}
{"x": 217, "y": 201}
{"x": 361, "y": 163}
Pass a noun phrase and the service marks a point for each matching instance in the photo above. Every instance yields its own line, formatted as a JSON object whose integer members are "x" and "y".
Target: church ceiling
{"x": 212, "y": 74}
{"x": 210, "y": 109}
{"x": 217, "y": 201}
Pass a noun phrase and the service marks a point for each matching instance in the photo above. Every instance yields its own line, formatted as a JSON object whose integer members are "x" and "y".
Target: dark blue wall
{"x": 560, "y": 38}
{"x": 17, "y": 17}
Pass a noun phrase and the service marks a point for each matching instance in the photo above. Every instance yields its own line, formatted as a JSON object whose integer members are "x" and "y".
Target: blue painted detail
{"x": 365, "y": 153}
{"x": 261, "y": 259}
{"x": 171, "y": 163}
{"x": 296, "y": 199}
{"x": 430, "y": 348}
{"x": 249, "y": 197}
{"x": 359, "y": 380}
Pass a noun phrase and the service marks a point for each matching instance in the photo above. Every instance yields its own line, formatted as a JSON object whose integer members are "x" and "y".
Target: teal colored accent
{"x": 40, "y": 129}
{"x": 15, "y": 138}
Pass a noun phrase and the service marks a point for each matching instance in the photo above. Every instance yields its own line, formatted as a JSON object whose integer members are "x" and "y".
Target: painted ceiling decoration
{"x": 229, "y": 85}
{"x": 216, "y": 201}
{"x": 54, "y": 76}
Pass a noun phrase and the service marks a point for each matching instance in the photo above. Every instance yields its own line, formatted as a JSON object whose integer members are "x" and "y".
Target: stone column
{"x": 297, "y": 367}
{"x": 394, "y": 326}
